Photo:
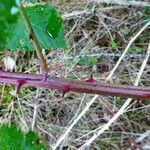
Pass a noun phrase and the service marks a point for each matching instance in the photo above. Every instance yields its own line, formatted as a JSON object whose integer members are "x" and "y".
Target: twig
{"x": 105, "y": 54}
{"x": 22, "y": 115}
{"x": 86, "y": 12}
{"x": 2, "y": 94}
{"x": 34, "y": 116}
{"x": 87, "y": 86}
{"x": 122, "y": 109}
{"x": 135, "y": 109}
{"x": 105, "y": 26}
{"x": 34, "y": 40}
{"x": 123, "y": 2}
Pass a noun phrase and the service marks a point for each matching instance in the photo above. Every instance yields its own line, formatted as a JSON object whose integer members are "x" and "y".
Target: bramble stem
{"x": 34, "y": 39}
{"x": 64, "y": 85}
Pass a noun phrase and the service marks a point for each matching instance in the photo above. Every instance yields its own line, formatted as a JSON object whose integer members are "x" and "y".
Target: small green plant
{"x": 113, "y": 44}
{"x": 146, "y": 15}
{"x": 87, "y": 61}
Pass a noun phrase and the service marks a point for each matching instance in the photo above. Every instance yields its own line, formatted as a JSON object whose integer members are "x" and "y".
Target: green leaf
{"x": 12, "y": 138}
{"x": 146, "y": 15}
{"x": 93, "y": 60}
{"x": 33, "y": 142}
{"x": 83, "y": 61}
{"x": 87, "y": 61}
{"x": 113, "y": 44}
{"x": 47, "y": 25}
{"x": 8, "y": 16}
{"x": 54, "y": 24}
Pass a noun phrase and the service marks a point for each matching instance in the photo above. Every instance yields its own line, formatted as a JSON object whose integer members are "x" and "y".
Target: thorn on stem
{"x": 18, "y": 86}
{"x": 64, "y": 90}
{"x": 91, "y": 80}
{"x": 146, "y": 95}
